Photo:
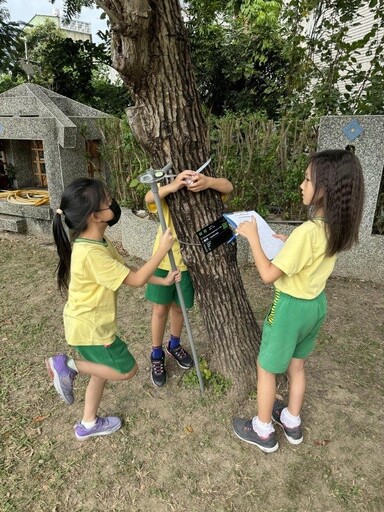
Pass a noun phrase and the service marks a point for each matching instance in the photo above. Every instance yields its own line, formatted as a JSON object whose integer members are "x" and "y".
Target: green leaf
{"x": 134, "y": 183}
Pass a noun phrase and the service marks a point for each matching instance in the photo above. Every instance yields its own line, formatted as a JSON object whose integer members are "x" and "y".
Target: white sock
{"x": 288, "y": 419}
{"x": 88, "y": 424}
{"x": 71, "y": 363}
{"x": 262, "y": 429}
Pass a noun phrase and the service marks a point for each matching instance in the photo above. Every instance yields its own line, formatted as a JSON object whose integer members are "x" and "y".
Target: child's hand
{"x": 198, "y": 182}
{"x": 248, "y": 229}
{"x": 166, "y": 241}
{"x": 182, "y": 179}
{"x": 174, "y": 276}
{"x": 280, "y": 236}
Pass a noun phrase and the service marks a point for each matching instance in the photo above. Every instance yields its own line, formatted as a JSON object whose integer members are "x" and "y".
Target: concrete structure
{"x": 48, "y": 139}
{"x": 366, "y": 133}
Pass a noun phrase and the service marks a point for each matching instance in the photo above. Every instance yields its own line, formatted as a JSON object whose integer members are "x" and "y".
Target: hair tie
{"x": 59, "y": 211}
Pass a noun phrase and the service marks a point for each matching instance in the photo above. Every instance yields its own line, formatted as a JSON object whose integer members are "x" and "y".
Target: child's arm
{"x": 175, "y": 185}
{"x": 201, "y": 182}
{"x": 138, "y": 278}
{"x": 269, "y": 273}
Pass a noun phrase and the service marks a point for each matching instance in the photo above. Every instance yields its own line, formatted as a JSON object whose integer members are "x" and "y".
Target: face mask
{"x": 115, "y": 208}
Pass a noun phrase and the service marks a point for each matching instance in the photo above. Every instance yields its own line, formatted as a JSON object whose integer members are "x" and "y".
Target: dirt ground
{"x": 176, "y": 450}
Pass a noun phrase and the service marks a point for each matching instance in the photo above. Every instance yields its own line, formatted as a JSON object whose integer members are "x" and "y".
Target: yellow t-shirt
{"x": 97, "y": 271}
{"x": 303, "y": 261}
{"x": 165, "y": 263}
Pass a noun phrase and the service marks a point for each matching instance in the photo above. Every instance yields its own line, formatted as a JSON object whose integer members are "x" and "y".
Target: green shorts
{"x": 116, "y": 355}
{"x": 168, "y": 294}
{"x": 290, "y": 330}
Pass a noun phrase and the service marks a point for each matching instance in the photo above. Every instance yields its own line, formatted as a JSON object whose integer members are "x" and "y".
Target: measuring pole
{"x": 152, "y": 178}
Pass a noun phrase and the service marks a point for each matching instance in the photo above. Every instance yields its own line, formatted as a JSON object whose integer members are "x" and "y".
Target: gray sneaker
{"x": 62, "y": 376}
{"x": 244, "y": 431}
{"x": 103, "y": 427}
{"x": 294, "y": 435}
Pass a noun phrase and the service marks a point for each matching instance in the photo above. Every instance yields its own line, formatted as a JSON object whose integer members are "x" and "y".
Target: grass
{"x": 176, "y": 450}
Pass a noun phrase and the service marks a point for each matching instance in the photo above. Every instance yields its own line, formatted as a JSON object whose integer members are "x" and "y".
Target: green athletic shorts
{"x": 116, "y": 355}
{"x": 290, "y": 330}
{"x": 168, "y": 294}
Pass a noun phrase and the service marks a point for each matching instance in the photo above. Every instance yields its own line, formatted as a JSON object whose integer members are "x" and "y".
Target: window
{"x": 93, "y": 157}
{"x": 38, "y": 164}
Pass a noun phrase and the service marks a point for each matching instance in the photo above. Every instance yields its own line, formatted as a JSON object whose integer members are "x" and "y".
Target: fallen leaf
{"x": 37, "y": 419}
{"x": 321, "y": 442}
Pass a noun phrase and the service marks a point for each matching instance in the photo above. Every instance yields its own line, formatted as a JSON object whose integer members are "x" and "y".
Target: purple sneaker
{"x": 62, "y": 376}
{"x": 103, "y": 427}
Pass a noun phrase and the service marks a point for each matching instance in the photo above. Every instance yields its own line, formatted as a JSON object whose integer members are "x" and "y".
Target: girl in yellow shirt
{"x": 333, "y": 189}
{"x": 91, "y": 271}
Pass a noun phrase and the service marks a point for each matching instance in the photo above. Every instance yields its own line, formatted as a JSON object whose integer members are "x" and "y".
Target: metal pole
{"x": 155, "y": 191}
{"x": 26, "y": 56}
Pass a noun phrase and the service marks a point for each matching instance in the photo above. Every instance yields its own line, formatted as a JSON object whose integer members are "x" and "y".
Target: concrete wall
{"x": 365, "y": 261}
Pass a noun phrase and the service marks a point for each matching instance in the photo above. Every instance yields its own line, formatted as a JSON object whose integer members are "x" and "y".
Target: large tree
{"x": 151, "y": 52}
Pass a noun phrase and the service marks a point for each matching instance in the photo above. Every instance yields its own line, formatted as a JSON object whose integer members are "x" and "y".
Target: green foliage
{"x": 76, "y": 69}
{"x": 64, "y": 65}
{"x": 264, "y": 160}
{"x": 324, "y": 75}
{"x": 125, "y": 160}
{"x": 10, "y": 41}
{"x": 213, "y": 381}
{"x": 112, "y": 98}
{"x": 218, "y": 37}
{"x": 8, "y": 82}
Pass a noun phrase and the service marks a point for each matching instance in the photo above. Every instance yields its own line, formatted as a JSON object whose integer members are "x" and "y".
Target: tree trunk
{"x": 150, "y": 51}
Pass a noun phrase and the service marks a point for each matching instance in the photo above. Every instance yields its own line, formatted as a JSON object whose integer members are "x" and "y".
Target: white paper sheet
{"x": 270, "y": 245}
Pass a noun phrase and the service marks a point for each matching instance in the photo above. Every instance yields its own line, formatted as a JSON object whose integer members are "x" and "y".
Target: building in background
{"x": 74, "y": 29}
{"x": 364, "y": 21}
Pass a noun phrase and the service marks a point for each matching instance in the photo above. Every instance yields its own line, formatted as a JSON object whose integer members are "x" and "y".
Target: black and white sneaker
{"x": 244, "y": 431}
{"x": 294, "y": 435}
{"x": 184, "y": 360}
{"x": 158, "y": 373}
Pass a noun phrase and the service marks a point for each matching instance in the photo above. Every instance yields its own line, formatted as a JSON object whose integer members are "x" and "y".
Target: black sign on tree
{"x": 215, "y": 234}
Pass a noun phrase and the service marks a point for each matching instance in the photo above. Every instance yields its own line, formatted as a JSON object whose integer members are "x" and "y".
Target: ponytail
{"x": 64, "y": 251}
{"x": 82, "y": 197}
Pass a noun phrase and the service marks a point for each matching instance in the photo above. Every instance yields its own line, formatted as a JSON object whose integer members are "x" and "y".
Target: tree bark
{"x": 150, "y": 51}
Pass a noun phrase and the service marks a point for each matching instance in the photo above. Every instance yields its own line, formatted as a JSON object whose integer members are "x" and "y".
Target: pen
{"x": 233, "y": 237}
{"x": 204, "y": 165}
{"x": 189, "y": 182}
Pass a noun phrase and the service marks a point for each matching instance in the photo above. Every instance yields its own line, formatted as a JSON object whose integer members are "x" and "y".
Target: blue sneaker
{"x": 103, "y": 427}
{"x": 62, "y": 376}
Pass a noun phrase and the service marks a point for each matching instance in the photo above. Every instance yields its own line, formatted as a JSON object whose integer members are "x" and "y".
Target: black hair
{"x": 81, "y": 198}
{"x": 339, "y": 190}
